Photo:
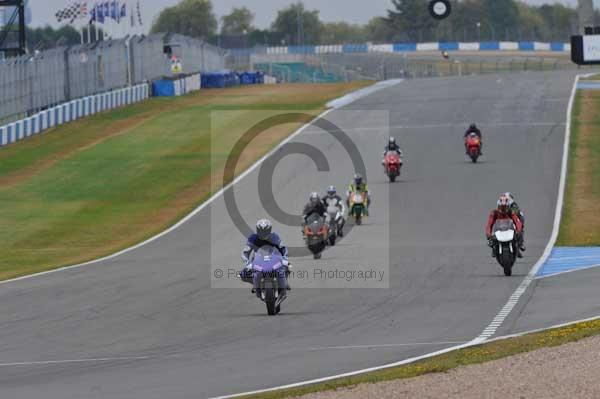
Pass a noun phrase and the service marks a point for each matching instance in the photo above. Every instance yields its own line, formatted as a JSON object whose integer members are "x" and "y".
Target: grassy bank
{"x": 98, "y": 185}
{"x": 442, "y": 363}
{"x": 580, "y": 225}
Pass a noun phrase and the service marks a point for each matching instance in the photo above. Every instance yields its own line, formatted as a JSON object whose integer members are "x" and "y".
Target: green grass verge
{"x": 101, "y": 184}
{"x": 442, "y": 363}
{"x": 580, "y": 224}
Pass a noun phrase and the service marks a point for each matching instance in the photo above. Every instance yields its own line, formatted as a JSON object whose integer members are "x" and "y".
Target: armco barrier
{"x": 71, "y": 111}
{"x": 527, "y": 46}
{"x": 405, "y": 47}
{"x": 428, "y": 46}
{"x": 489, "y": 46}
{"x": 402, "y": 47}
{"x": 449, "y": 46}
{"x": 509, "y": 46}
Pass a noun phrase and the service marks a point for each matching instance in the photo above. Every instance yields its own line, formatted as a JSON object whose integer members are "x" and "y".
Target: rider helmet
{"x": 511, "y": 198}
{"x": 503, "y": 204}
{"x": 331, "y": 191}
{"x": 392, "y": 141}
{"x": 314, "y": 198}
{"x": 358, "y": 179}
{"x": 264, "y": 228}
{"x": 472, "y": 126}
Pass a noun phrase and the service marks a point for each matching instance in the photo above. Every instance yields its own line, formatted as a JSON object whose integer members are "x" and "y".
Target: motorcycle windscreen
{"x": 358, "y": 199}
{"x": 267, "y": 258}
{"x": 315, "y": 222}
{"x": 505, "y": 236}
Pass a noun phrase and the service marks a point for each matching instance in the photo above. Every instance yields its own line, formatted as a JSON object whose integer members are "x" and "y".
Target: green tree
{"x": 48, "y": 37}
{"x": 342, "y": 32}
{"x": 378, "y": 30}
{"x": 501, "y": 17}
{"x": 531, "y": 24}
{"x": 291, "y": 18}
{"x": 237, "y": 22}
{"x": 561, "y": 20}
{"x": 193, "y": 18}
{"x": 410, "y": 20}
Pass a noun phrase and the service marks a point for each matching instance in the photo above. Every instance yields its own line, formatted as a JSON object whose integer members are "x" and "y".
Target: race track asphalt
{"x": 559, "y": 299}
{"x": 147, "y": 324}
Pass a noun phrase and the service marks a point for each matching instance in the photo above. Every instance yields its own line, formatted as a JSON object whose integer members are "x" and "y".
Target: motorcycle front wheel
{"x": 270, "y": 300}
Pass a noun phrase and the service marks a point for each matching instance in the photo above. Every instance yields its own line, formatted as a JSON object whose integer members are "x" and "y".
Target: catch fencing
{"x": 35, "y": 82}
{"x": 382, "y": 66}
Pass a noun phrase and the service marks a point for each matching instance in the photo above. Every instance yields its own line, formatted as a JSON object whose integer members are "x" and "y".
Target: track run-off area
{"x": 153, "y": 322}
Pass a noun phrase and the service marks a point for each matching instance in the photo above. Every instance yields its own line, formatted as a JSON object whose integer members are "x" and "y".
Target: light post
{"x": 478, "y": 31}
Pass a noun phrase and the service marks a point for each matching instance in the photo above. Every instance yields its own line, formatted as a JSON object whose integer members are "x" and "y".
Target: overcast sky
{"x": 355, "y": 11}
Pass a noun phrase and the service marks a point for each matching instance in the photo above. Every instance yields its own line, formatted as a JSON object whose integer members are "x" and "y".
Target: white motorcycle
{"x": 336, "y": 223}
{"x": 504, "y": 245}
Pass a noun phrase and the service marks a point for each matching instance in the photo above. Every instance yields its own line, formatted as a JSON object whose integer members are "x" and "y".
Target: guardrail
{"x": 90, "y": 105}
{"x": 71, "y": 111}
{"x": 407, "y": 47}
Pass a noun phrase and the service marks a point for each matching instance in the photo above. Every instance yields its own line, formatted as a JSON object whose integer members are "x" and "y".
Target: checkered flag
{"x": 72, "y": 12}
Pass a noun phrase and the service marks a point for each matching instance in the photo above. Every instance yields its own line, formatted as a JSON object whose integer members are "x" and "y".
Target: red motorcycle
{"x": 473, "y": 144}
{"x": 392, "y": 163}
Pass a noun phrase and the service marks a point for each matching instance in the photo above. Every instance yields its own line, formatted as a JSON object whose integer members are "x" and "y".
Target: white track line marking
{"x": 361, "y": 93}
{"x": 566, "y": 271}
{"x": 386, "y": 345}
{"x": 349, "y": 374}
{"x": 113, "y": 359}
{"x": 575, "y": 257}
{"x": 491, "y": 329}
{"x": 198, "y": 209}
{"x": 53, "y": 362}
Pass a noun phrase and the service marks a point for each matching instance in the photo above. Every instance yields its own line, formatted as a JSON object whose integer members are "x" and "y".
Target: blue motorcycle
{"x": 269, "y": 278}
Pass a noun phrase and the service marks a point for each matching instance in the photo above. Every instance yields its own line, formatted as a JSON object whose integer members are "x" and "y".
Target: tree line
{"x": 406, "y": 21}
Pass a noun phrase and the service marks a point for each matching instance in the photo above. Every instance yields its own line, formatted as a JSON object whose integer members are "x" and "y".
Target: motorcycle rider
{"x": 358, "y": 185}
{"x": 474, "y": 129}
{"x": 264, "y": 236}
{"x": 503, "y": 212}
{"x": 315, "y": 205}
{"x": 516, "y": 209}
{"x": 333, "y": 199}
{"x": 391, "y": 146}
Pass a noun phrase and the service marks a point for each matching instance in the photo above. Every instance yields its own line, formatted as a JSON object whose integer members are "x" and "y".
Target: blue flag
{"x": 114, "y": 10}
{"x": 106, "y": 9}
{"x": 97, "y": 14}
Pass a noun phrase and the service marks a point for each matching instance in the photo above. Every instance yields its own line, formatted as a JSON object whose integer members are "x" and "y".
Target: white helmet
{"x": 264, "y": 228}
{"x": 314, "y": 197}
